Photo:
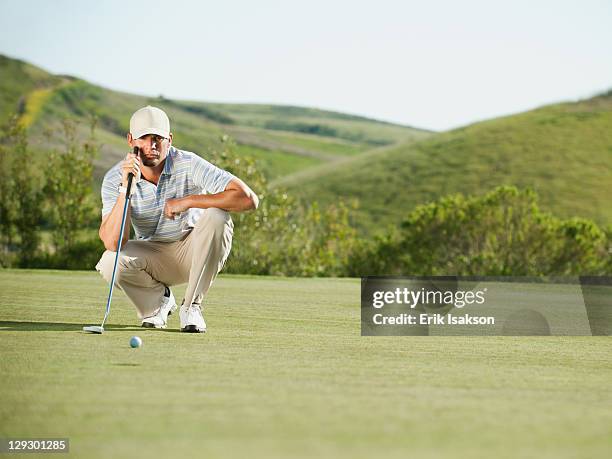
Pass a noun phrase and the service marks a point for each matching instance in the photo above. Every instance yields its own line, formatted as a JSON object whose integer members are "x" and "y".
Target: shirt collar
{"x": 169, "y": 166}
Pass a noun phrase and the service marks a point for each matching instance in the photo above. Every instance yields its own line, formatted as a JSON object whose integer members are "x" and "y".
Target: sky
{"x": 431, "y": 64}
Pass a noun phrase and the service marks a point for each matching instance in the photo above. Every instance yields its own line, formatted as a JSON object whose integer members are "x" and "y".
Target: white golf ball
{"x": 135, "y": 341}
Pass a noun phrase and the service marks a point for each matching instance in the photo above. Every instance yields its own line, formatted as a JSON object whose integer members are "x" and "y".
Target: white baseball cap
{"x": 149, "y": 120}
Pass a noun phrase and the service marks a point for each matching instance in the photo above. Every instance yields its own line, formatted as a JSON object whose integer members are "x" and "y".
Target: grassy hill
{"x": 284, "y": 139}
{"x": 563, "y": 151}
{"x": 19, "y": 79}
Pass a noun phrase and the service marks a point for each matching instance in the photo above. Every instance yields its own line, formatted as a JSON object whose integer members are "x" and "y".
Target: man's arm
{"x": 237, "y": 197}
{"x": 111, "y": 225}
{"x": 111, "y": 222}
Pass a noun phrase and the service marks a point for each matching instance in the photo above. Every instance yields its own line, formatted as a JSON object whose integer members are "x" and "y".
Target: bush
{"x": 80, "y": 255}
{"x": 316, "y": 129}
{"x": 503, "y": 233}
{"x": 284, "y": 237}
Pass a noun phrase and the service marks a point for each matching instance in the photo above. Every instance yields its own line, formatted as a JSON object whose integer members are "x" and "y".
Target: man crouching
{"x": 179, "y": 209}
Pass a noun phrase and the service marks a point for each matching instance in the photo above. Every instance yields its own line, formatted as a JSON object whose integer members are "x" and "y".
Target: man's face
{"x": 154, "y": 148}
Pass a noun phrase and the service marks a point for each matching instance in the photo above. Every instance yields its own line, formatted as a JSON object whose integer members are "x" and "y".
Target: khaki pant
{"x": 145, "y": 268}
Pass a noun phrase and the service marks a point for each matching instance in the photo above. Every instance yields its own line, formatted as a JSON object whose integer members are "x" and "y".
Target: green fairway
{"x": 284, "y": 372}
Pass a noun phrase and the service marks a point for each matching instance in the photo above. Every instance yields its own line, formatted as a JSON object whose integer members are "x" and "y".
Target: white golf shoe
{"x": 191, "y": 319}
{"x": 160, "y": 319}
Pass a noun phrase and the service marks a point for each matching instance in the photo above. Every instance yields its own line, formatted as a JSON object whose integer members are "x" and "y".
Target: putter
{"x": 100, "y": 329}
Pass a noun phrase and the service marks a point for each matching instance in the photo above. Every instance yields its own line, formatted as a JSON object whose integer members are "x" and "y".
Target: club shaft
{"x": 123, "y": 219}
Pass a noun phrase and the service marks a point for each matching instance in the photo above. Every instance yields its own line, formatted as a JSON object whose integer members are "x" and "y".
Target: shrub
{"x": 283, "y": 236}
{"x": 503, "y": 233}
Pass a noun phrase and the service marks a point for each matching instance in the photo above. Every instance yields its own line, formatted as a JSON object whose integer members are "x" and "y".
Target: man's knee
{"x": 105, "y": 265}
{"x": 126, "y": 263}
{"x": 215, "y": 219}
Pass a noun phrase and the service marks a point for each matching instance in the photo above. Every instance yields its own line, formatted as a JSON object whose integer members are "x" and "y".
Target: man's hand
{"x": 130, "y": 165}
{"x": 175, "y": 207}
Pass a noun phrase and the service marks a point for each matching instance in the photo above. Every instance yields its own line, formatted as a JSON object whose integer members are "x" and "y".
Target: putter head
{"x": 94, "y": 329}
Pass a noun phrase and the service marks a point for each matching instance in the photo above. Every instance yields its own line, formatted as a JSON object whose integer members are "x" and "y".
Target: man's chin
{"x": 151, "y": 162}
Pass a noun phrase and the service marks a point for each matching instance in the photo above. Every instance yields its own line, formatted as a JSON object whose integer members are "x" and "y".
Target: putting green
{"x": 283, "y": 371}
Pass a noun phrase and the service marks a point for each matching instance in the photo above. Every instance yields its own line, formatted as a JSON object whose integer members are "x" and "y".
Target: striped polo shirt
{"x": 184, "y": 174}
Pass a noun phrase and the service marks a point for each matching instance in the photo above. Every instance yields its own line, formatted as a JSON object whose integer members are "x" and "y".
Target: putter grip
{"x": 131, "y": 177}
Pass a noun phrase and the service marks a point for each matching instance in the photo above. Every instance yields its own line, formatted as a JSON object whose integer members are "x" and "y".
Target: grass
{"x": 276, "y": 163}
{"x": 283, "y": 371}
{"x": 324, "y": 148}
{"x": 36, "y": 99}
{"x": 561, "y": 151}
{"x": 347, "y": 127}
{"x": 17, "y": 80}
{"x": 336, "y": 147}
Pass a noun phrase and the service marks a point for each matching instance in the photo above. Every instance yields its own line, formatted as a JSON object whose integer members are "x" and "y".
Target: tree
{"x": 69, "y": 188}
{"x": 21, "y": 196}
{"x": 8, "y": 205}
